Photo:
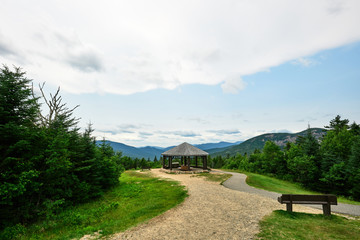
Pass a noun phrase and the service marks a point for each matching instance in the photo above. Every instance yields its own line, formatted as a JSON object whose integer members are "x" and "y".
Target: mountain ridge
{"x": 149, "y": 152}
{"x": 258, "y": 142}
{"x": 215, "y": 149}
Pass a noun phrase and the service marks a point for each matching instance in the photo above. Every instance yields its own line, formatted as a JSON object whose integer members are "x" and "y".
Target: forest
{"x": 46, "y": 163}
{"x": 329, "y": 165}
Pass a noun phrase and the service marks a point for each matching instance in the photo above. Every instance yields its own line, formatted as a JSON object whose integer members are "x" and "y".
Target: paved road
{"x": 237, "y": 182}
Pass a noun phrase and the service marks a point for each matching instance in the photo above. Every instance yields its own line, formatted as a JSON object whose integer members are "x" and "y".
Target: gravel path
{"x": 237, "y": 182}
{"x": 211, "y": 211}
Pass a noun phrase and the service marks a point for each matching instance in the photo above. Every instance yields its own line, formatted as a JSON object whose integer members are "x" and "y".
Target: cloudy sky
{"x": 164, "y": 72}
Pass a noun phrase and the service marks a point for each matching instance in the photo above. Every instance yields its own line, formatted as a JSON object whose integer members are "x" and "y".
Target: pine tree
{"x": 19, "y": 136}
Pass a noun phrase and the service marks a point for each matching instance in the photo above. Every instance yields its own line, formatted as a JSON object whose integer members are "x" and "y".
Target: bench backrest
{"x": 308, "y": 199}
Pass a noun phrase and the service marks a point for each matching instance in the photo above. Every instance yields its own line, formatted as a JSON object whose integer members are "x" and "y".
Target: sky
{"x": 160, "y": 73}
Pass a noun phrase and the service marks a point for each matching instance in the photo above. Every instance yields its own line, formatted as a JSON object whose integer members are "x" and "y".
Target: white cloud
{"x": 134, "y": 46}
{"x": 280, "y": 131}
{"x": 225, "y": 131}
{"x": 306, "y": 62}
{"x": 233, "y": 85}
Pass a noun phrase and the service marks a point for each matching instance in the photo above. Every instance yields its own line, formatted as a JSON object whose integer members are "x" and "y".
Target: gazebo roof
{"x": 185, "y": 150}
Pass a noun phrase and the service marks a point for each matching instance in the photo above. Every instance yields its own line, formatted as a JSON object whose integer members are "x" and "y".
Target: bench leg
{"x": 289, "y": 207}
{"x": 326, "y": 209}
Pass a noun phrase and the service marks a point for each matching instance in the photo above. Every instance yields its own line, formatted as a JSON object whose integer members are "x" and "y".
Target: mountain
{"x": 152, "y": 151}
{"x": 208, "y": 146}
{"x": 133, "y": 152}
{"x": 258, "y": 142}
{"x": 216, "y": 149}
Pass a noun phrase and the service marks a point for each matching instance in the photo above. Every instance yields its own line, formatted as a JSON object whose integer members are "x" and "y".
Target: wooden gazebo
{"x": 185, "y": 153}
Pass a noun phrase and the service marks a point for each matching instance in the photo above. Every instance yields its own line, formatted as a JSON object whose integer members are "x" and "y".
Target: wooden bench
{"x": 325, "y": 200}
{"x": 175, "y": 164}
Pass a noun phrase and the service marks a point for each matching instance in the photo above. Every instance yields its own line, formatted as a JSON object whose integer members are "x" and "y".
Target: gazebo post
{"x": 170, "y": 163}
{"x": 205, "y": 162}
{"x": 163, "y": 161}
{"x": 196, "y": 161}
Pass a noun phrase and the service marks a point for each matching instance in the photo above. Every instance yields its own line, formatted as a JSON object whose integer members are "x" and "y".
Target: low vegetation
{"x": 137, "y": 198}
{"x": 281, "y": 186}
{"x": 284, "y": 225}
{"x": 214, "y": 177}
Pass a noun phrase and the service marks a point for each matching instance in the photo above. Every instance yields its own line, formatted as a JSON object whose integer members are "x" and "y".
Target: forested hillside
{"x": 330, "y": 164}
{"x": 134, "y": 152}
{"x": 258, "y": 142}
{"x": 150, "y": 152}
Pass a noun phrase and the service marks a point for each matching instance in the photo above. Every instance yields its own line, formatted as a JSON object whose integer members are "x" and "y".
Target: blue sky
{"x": 285, "y": 98}
{"x": 164, "y": 72}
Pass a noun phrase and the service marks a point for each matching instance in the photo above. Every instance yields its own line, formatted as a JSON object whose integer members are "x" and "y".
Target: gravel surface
{"x": 211, "y": 211}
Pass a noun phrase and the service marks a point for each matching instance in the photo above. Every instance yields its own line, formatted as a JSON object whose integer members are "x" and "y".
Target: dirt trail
{"x": 210, "y": 212}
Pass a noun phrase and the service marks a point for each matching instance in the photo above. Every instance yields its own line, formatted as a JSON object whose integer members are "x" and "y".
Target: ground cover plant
{"x": 281, "y": 186}
{"x": 284, "y": 225}
{"x": 138, "y": 197}
{"x": 214, "y": 177}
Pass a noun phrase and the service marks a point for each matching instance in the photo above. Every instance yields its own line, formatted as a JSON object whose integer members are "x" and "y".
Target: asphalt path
{"x": 238, "y": 182}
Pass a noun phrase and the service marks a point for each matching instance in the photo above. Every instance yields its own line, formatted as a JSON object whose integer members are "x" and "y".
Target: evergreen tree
{"x": 274, "y": 161}
{"x": 354, "y": 169}
{"x": 45, "y": 163}
{"x": 337, "y": 124}
{"x": 18, "y": 131}
{"x": 355, "y": 129}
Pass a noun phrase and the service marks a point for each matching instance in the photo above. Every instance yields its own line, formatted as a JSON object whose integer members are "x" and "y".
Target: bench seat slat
{"x": 308, "y": 202}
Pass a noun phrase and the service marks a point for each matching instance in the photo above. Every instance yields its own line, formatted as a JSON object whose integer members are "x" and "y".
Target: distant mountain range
{"x": 258, "y": 142}
{"x": 216, "y": 149}
{"x": 152, "y": 151}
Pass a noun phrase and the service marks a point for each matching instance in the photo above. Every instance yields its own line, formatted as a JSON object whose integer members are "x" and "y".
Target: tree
{"x": 354, "y": 169}
{"x": 58, "y": 114}
{"x": 355, "y": 129}
{"x": 337, "y": 124}
{"x": 256, "y": 162}
{"x": 309, "y": 144}
{"x": 335, "y": 148}
{"x": 304, "y": 169}
{"x": 303, "y": 159}
{"x": 45, "y": 163}
{"x": 274, "y": 161}
{"x": 19, "y": 136}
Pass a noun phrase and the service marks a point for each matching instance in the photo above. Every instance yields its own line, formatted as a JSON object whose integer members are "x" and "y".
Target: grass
{"x": 284, "y": 225}
{"x": 285, "y": 187}
{"x": 138, "y": 197}
{"x": 219, "y": 177}
{"x": 280, "y": 186}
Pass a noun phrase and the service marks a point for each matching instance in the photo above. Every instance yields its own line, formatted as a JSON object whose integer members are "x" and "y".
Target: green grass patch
{"x": 214, "y": 177}
{"x": 285, "y": 225}
{"x": 280, "y": 186}
{"x": 138, "y": 197}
